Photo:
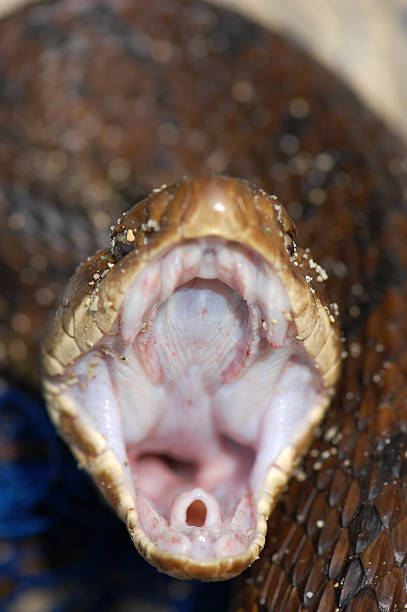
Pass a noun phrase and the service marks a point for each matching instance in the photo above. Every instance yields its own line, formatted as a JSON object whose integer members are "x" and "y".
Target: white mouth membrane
{"x": 199, "y": 389}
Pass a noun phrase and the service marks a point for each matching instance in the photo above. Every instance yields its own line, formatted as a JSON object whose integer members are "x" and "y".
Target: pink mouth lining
{"x": 203, "y": 384}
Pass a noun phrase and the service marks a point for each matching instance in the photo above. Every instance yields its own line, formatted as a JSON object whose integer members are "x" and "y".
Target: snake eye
{"x": 122, "y": 244}
{"x": 289, "y": 243}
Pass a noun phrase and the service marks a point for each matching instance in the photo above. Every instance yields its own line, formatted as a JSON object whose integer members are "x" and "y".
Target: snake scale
{"x": 100, "y": 102}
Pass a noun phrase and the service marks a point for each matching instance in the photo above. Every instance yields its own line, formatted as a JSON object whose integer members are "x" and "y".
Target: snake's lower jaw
{"x": 192, "y": 409}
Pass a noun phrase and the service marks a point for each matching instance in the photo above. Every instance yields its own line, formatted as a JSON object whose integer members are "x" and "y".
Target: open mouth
{"x": 198, "y": 388}
{"x": 188, "y": 367}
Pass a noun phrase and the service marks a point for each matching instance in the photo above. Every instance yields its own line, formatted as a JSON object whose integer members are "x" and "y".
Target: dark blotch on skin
{"x": 354, "y": 581}
{"x": 364, "y": 527}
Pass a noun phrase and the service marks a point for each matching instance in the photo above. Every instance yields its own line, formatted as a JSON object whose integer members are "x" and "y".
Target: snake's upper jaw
{"x": 191, "y": 410}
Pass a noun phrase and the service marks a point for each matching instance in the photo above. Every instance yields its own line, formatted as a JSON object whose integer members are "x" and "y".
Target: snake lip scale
{"x": 203, "y": 306}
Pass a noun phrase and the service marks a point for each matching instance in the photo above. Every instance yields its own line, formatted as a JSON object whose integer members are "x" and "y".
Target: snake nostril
{"x": 195, "y": 515}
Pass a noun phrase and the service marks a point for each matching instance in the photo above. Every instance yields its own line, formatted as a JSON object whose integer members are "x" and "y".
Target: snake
{"x": 103, "y": 103}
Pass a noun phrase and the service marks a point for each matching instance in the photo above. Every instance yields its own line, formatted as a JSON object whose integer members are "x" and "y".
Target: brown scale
{"x": 102, "y": 101}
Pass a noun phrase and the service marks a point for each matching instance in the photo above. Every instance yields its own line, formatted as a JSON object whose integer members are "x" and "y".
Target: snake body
{"x": 102, "y": 101}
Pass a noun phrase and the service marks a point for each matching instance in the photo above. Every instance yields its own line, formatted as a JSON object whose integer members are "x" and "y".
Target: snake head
{"x": 187, "y": 367}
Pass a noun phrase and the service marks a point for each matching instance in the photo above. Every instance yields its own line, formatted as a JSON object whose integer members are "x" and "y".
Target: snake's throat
{"x": 189, "y": 369}
{"x": 204, "y": 394}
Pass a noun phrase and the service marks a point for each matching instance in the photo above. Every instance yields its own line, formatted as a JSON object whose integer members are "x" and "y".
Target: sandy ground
{"x": 365, "y": 40}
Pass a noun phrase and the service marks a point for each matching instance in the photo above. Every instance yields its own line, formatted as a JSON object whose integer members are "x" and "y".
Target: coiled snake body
{"x": 101, "y": 102}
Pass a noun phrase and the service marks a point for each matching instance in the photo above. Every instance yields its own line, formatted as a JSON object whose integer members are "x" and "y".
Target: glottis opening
{"x": 196, "y": 514}
{"x": 203, "y": 491}
{"x": 199, "y": 387}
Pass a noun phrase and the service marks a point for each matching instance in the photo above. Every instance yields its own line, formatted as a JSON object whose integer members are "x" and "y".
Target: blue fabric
{"x": 58, "y": 534}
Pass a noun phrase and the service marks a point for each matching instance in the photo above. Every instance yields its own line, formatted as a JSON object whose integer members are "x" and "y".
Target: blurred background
{"x": 365, "y": 41}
